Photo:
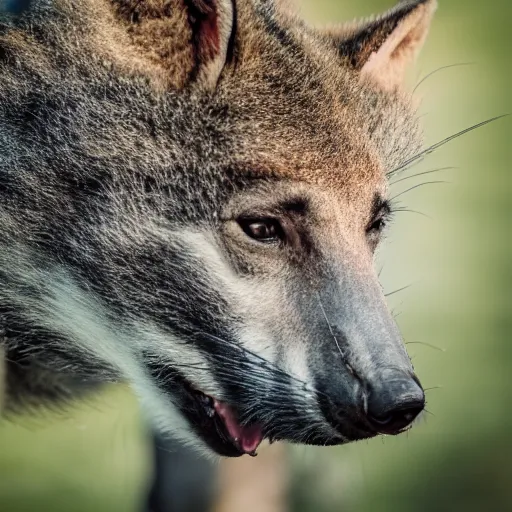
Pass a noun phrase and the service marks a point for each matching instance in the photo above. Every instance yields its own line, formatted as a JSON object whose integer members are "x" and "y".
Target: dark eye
{"x": 263, "y": 230}
{"x": 377, "y": 225}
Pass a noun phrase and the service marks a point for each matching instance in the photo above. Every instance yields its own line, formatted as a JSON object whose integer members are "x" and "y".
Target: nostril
{"x": 394, "y": 422}
{"x": 386, "y": 420}
{"x": 395, "y": 405}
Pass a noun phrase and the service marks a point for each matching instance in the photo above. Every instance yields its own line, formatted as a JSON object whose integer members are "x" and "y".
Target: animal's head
{"x": 197, "y": 189}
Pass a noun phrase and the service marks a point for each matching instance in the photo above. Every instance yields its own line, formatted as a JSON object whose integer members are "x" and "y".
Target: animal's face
{"x": 208, "y": 234}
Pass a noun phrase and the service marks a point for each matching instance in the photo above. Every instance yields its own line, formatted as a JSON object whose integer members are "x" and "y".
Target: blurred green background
{"x": 96, "y": 457}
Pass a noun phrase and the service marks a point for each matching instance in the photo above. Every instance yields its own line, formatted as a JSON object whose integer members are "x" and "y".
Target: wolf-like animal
{"x": 192, "y": 192}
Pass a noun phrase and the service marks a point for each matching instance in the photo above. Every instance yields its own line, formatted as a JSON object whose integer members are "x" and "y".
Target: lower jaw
{"x": 231, "y": 450}
{"x": 210, "y": 425}
{"x": 224, "y": 450}
{"x": 217, "y": 425}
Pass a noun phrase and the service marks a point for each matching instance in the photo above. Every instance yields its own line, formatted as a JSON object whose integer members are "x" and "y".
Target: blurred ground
{"x": 93, "y": 457}
{"x": 459, "y": 261}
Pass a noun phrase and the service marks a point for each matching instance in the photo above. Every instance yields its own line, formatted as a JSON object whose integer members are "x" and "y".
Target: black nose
{"x": 394, "y": 404}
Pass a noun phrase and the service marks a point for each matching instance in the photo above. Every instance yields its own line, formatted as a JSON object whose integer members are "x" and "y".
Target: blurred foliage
{"x": 91, "y": 457}
{"x": 95, "y": 456}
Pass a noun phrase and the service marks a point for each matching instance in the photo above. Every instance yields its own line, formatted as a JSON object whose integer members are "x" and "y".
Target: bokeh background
{"x": 456, "y": 317}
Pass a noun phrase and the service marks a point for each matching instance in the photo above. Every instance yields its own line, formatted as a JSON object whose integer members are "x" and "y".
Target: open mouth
{"x": 218, "y": 424}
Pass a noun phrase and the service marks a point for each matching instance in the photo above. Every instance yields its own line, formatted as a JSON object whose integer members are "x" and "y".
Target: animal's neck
{"x": 31, "y": 384}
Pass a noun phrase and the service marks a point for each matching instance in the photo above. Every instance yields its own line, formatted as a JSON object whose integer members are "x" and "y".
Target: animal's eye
{"x": 263, "y": 230}
{"x": 377, "y": 225}
{"x": 380, "y": 218}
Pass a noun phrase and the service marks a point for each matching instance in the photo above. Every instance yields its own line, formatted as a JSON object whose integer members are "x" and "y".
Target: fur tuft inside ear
{"x": 383, "y": 48}
{"x": 187, "y": 38}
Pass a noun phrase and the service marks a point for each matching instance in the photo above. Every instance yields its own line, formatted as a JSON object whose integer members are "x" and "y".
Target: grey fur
{"x": 119, "y": 253}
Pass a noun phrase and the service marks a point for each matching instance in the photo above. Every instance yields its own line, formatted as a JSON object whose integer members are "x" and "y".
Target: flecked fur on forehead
{"x": 296, "y": 108}
{"x": 317, "y": 120}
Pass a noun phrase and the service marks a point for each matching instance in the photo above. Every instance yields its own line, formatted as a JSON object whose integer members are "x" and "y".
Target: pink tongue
{"x": 247, "y": 438}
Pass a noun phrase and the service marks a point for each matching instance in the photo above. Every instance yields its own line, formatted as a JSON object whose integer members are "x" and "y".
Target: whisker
{"x": 422, "y": 174}
{"x": 330, "y": 327}
{"x": 418, "y": 186}
{"x": 432, "y": 73}
{"x": 441, "y": 143}
{"x": 426, "y": 344}
{"x": 434, "y": 387}
{"x": 408, "y": 210}
{"x": 267, "y": 364}
{"x": 397, "y": 291}
{"x": 394, "y": 311}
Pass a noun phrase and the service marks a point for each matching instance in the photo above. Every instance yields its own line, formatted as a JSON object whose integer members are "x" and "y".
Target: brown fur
{"x": 154, "y": 39}
{"x": 161, "y": 33}
{"x": 252, "y": 92}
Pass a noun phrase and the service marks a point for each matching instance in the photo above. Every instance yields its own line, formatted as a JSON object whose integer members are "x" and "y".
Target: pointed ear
{"x": 186, "y": 40}
{"x": 384, "y": 48}
{"x": 212, "y": 23}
